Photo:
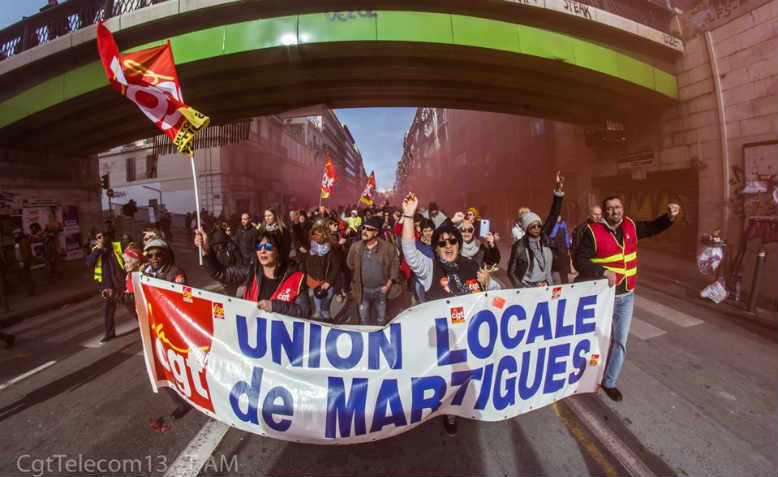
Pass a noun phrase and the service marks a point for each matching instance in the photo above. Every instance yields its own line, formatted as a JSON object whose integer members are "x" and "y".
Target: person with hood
{"x": 271, "y": 278}
{"x": 532, "y": 257}
{"x": 321, "y": 266}
{"x": 375, "y": 268}
{"x": 448, "y": 274}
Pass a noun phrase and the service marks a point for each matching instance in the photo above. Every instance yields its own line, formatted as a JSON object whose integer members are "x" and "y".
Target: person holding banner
{"x": 271, "y": 279}
{"x": 375, "y": 269}
{"x": 608, "y": 249}
{"x": 449, "y": 274}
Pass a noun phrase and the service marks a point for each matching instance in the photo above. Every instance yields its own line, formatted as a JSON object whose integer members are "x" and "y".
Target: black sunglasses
{"x": 451, "y": 241}
{"x": 370, "y": 229}
{"x": 155, "y": 254}
{"x": 468, "y": 230}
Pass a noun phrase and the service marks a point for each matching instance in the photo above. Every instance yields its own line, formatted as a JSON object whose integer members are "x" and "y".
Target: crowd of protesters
{"x": 313, "y": 263}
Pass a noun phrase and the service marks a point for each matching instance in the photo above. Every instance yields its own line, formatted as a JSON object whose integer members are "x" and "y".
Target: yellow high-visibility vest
{"x": 117, "y": 250}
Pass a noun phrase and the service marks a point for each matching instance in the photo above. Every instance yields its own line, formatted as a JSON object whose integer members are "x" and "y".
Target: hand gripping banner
{"x": 487, "y": 356}
{"x": 149, "y": 79}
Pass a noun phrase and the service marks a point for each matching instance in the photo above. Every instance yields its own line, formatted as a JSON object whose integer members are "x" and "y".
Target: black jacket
{"x": 522, "y": 257}
{"x": 243, "y": 275}
{"x": 246, "y": 239}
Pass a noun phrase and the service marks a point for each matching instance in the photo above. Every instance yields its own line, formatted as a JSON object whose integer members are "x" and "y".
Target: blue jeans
{"x": 322, "y": 305}
{"x": 622, "y": 318}
{"x": 372, "y": 298}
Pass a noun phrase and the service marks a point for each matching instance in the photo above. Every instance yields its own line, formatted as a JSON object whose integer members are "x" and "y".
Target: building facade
{"x": 265, "y": 162}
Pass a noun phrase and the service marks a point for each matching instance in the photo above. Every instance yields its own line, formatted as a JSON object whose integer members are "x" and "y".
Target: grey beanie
{"x": 528, "y": 218}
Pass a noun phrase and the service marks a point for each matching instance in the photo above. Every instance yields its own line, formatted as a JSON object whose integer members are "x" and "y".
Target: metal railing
{"x": 58, "y": 20}
{"x": 72, "y": 15}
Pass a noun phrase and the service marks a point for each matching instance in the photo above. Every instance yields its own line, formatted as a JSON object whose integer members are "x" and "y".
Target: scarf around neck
{"x": 320, "y": 250}
{"x": 272, "y": 227}
{"x": 470, "y": 249}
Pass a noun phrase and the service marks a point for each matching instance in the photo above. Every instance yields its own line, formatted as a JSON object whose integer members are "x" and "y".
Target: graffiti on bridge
{"x": 350, "y": 15}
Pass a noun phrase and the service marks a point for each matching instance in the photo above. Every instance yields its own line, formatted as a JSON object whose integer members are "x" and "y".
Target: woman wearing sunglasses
{"x": 270, "y": 278}
{"x": 446, "y": 275}
{"x": 532, "y": 257}
{"x": 472, "y": 248}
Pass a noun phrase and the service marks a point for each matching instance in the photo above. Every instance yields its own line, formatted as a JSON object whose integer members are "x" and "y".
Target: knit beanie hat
{"x": 528, "y": 218}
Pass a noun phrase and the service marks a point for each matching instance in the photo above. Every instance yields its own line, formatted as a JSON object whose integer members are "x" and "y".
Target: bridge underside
{"x": 341, "y": 75}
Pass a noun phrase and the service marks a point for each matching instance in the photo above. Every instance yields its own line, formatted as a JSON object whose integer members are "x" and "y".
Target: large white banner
{"x": 487, "y": 356}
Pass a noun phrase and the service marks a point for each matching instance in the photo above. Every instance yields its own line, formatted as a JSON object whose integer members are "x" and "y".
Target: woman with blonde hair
{"x": 517, "y": 232}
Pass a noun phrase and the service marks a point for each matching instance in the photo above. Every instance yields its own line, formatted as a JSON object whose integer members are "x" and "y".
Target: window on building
{"x": 151, "y": 166}
{"x": 130, "y": 163}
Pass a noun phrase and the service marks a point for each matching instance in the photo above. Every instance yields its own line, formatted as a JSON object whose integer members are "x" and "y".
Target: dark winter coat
{"x": 522, "y": 259}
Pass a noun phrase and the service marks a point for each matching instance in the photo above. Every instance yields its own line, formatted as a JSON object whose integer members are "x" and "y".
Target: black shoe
{"x": 450, "y": 425}
{"x": 107, "y": 338}
{"x": 180, "y": 411}
{"x": 613, "y": 393}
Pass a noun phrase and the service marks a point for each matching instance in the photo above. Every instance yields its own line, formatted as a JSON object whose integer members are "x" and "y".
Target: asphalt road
{"x": 699, "y": 387}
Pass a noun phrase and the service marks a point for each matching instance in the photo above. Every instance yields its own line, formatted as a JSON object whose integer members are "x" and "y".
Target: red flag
{"x": 368, "y": 195}
{"x": 328, "y": 179}
{"x": 149, "y": 79}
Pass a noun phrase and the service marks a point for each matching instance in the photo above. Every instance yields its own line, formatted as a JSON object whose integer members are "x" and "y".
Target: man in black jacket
{"x": 608, "y": 249}
{"x": 106, "y": 258}
{"x": 246, "y": 237}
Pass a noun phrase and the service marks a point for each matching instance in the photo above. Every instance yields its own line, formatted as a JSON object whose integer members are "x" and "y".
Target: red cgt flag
{"x": 328, "y": 179}
{"x": 368, "y": 195}
{"x": 149, "y": 79}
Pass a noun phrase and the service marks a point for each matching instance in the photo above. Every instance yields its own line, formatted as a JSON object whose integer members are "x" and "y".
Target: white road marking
{"x": 26, "y": 375}
{"x": 191, "y": 460}
{"x": 670, "y": 314}
{"x": 631, "y": 462}
{"x": 120, "y": 330}
{"x": 643, "y": 330}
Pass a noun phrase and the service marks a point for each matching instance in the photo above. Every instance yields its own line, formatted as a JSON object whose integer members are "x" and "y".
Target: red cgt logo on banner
{"x": 149, "y": 79}
{"x": 181, "y": 333}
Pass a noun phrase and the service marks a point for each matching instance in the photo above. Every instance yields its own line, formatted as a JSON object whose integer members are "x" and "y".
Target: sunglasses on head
{"x": 267, "y": 246}
{"x": 451, "y": 241}
{"x": 468, "y": 230}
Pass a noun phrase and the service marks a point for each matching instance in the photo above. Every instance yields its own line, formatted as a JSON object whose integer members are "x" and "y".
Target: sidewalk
{"x": 679, "y": 277}
{"x": 77, "y": 285}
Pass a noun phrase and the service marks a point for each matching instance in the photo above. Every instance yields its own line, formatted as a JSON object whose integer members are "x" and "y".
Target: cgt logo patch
{"x": 218, "y": 310}
{"x": 473, "y": 286}
{"x": 556, "y": 292}
{"x": 457, "y": 315}
{"x": 594, "y": 360}
{"x": 187, "y": 293}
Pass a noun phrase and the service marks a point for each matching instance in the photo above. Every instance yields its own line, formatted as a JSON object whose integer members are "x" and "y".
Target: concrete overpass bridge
{"x": 558, "y": 59}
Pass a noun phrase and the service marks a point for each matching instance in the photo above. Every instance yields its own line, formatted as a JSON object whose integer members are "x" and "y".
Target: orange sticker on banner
{"x": 218, "y": 310}
{"x": 498, "y": 302}
{"x": 187, "y": 292}
{"x": 457, "y": 315}
{"x": 594, "y": 360}
{"x": 556, "y": 293}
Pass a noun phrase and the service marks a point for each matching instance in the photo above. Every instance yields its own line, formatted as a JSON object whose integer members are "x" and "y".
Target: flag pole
{"x": 197, "y": 204}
